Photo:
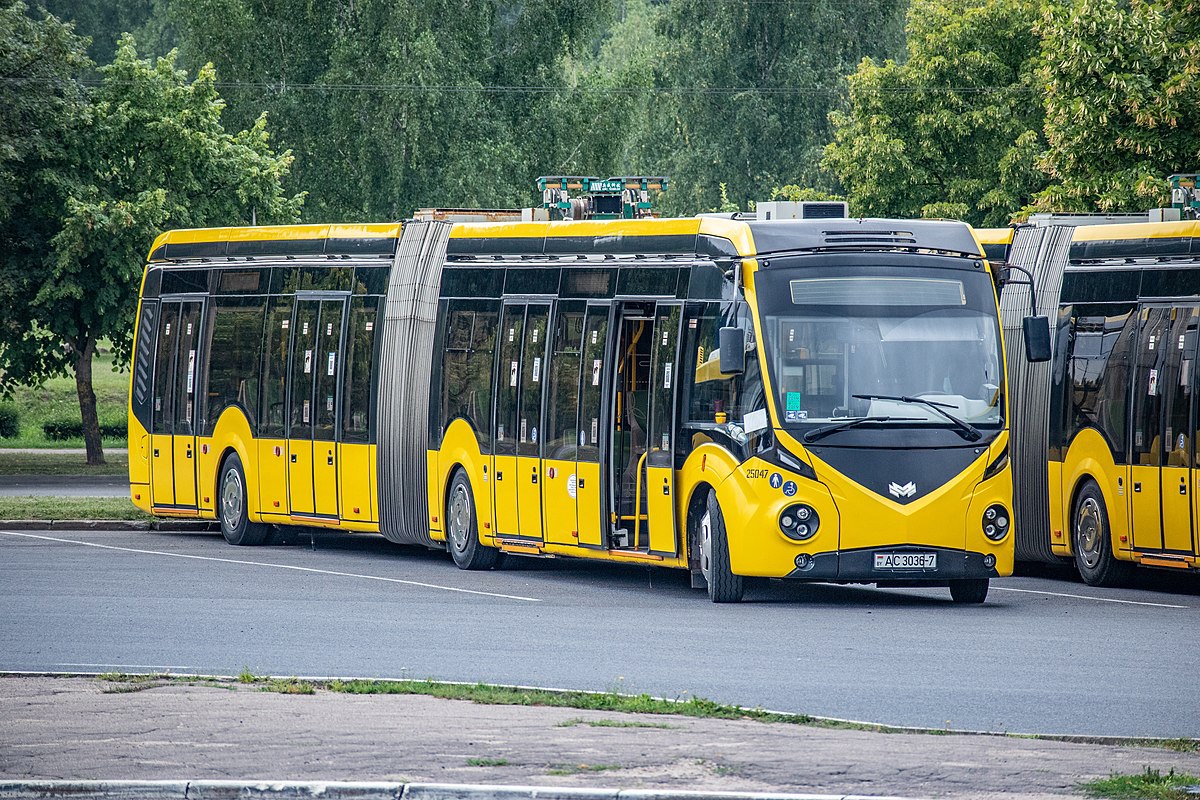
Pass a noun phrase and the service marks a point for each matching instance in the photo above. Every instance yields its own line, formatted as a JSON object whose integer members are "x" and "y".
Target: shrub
{"x": 10, "y": 422}
{"x": 57, "y": 430}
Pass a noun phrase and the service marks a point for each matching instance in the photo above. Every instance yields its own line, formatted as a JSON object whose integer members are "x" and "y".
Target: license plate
{"x": 906, "y": 561}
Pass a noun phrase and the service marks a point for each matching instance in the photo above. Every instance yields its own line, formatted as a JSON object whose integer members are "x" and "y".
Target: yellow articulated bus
{"x": 817, "y": 400}
{"x": 1106, "y": 463}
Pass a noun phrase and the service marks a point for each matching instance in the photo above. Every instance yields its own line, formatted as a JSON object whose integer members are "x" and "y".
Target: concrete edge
{"x": 850, "y": 724}
{"x": 351, "y": 790}
{"x": 108, "y": 525}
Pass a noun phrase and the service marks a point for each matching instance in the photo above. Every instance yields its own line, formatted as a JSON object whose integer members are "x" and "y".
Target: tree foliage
{"x": 147, "y": 153}
{"x": 954, "y": 130}
{"x": 745, "y": 89}
{"x": 1122, "y": 102}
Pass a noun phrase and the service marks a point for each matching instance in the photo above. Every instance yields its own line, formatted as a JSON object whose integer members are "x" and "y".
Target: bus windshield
{"x": 894, "y": 348}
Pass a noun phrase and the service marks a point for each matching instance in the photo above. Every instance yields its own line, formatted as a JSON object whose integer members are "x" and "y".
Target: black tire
{"x": 236, "y": 526}
{"x": 462, "y": 530}
{"x": 723, "y": 585}
{"x": 969, "y": 590}
{"x": 1091, "y": 541}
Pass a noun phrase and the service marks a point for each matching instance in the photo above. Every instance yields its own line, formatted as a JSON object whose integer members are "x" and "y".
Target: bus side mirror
{"x": 733, "y": 350}
{"x": 1037, "y": 339}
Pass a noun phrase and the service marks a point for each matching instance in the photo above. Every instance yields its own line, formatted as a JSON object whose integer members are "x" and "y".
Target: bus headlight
{"x": 995, "y": 522}
{"x": 799, "y": 522}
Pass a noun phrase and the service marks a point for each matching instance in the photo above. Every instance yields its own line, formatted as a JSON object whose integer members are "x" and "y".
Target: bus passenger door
{"x": 659, "y": 487}
{"x": 588, "y": 489}
{"x": 560, "y": 450}
{"x": 326, "y": 403}
{"x": 187, "y": 376}
{"x": 508, "y": 418}
{"x": 301, "y": 382}
{"x": 1149, "y": 385}
{"x": 529, "y": 424}
{"x": 1178, "y": 379}
{"x": 630, "y": 424}
{"x": 162, "y": 409}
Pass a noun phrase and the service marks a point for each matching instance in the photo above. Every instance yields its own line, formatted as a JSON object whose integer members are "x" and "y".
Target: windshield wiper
{"x": 965, "y": 429}
{"x": 822, "y": 432}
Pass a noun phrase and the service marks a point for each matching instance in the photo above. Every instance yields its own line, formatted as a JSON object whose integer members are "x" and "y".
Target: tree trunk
{"x": 87, "y": 403}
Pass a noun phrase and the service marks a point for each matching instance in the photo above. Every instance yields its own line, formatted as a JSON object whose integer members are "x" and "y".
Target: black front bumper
{"x": 859, "y": 566}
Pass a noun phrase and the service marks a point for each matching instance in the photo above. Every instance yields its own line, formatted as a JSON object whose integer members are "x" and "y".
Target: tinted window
{"x": 234, "y": 350}
{"x": 467, "y": 364}
{"x": 1099, "y": 372}
{"x": 359, "y": 360}
{"x": 562, "y": 406}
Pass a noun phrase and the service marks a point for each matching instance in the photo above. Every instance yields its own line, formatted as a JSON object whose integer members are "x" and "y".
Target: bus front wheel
{"x": 970, "y": 590}
{"x": 723, "y": 585}
{"x": 236, "y": 526}
{"x": 462, "y": 530}
{"x": 1091, "y": 540}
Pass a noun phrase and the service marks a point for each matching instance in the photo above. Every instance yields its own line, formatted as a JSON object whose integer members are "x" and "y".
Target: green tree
{"x": 1122, "y": 102}
{"x": 744, "y": 90}
{"x": 150, "y": 154}
{"x": 954, "y": 129}
{"x": 42, "y": 101}
{"x": 102, "y": 22}
{"x": 395, "y": 104}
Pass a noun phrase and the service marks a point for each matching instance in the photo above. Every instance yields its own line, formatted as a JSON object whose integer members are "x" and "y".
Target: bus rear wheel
{"x": 236, "y": 526}
{"x": 1091, "y": 541}
{"x": 723, "y": 585}
{"x": 969, "y": 590}
{"x": 462, "y": 530}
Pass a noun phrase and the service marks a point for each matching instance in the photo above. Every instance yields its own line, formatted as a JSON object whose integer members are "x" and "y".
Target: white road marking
{"x": 276, "y": 566}
{"x": 1086, "y": 597}
{"x": 125, "y": 666}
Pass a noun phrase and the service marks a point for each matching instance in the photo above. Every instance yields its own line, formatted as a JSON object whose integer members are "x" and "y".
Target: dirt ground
{"x": 83, "y": 728}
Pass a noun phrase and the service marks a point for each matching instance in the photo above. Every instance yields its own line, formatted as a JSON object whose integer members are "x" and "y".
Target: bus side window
{"x": 360, "y": 345}
{"x": 235, "y": 335}
{"x": 467, "y": 364}
{"x": 713, "y": 393}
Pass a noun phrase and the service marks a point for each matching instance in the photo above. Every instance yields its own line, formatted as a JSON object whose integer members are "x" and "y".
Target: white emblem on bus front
{"x": 907, "y": 490}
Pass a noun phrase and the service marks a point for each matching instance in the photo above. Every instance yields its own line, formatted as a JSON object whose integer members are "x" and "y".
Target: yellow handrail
{"x": 637, "y": 505}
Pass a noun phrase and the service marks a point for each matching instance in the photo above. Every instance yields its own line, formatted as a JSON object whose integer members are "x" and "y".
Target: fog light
{"x": 799, "y": 522}
{"x": 995, "y": 522}
{"x": 804, "y": 561}
{"x": 989, "y": 561}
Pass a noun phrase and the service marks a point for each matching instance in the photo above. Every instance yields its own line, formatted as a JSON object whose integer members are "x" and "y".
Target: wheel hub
{"x": 1089, "y": 532}
{"x": 231, "y": 499}
{"x": 460, "y": 519}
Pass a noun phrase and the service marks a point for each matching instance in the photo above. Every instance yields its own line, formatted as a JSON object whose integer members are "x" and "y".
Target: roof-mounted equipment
{"x": 608, "y": 198}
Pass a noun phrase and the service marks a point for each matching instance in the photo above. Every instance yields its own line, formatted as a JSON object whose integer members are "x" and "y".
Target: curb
{"x": 108, "y": 525}
{"x": 316, "y": 790}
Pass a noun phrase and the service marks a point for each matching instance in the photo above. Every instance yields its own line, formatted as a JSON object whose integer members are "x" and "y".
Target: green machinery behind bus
{"x": 814, "y": 400}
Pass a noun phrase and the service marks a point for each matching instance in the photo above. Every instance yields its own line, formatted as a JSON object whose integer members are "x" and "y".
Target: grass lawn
{"x": 57, "y": 399}
{"x": 116, "y": 462}
{"x": 68, "y": 508}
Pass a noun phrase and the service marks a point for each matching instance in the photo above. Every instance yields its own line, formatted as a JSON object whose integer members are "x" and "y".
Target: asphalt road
{"x": 1042, "y": 656}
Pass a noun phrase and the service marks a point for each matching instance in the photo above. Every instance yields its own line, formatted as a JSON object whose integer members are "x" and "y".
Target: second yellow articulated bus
{"x": 815, "y": 400}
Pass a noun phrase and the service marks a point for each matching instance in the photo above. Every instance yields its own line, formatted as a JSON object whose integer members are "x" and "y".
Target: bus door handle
{"x": 580, "y": 483}
{"x": 329, "y": 460}
{"x": 1137, "y": 486}
{"x": 499, "y": 475}
{"x": 533, "y": 477}
{"x": 189, "y": 452}
{"x": 293, "y": 458}
{"x": 1183, "y": 486}
{"x": 156, "y": 452}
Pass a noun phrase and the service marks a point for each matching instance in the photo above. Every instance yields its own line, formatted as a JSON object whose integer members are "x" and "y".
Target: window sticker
{"x": 595, "y": 429}
{"x": 596, "y": 372}
{"x": 664, "y": 341}
{"x": 191, "y": 379}
{"x": 158, "y": 404}
{"x": 307, "y": 362}
{"x": 332, "y": 359}
{"x": 284, "y": 325}
{"x": 1181, "y": 342}
{"x": 793, "y": 401}
{"x": 329, "y": 402}
{"x": 533, "y": 435}
{"x": 595, "y": 334}
{"x": 168, "y": 333}
{"x": 304, "y": 328}
{"x": 667, "y": 374}
{"x": 572, "y": 485}
{"x": 1181, "y": 443}
{"x": 500, "y": 433}
{"x": 305, "y": 416}
{"x": 1153, "y": 382}
{"x": 329, "y": 329}
{"x": 537, "y": 369}
{"x": 666, "y": 441}
{"x": 535, "y": 335}
{"x": 187, "y": 415}
{"x": 582, "y": 438}
{"x": 370, "y": 326}
{"x": 795, "y": 416}
{"x": 523, "y": 429}
{"x": 512, "y": 375}
{"x": 692, "y": 323}
{"x": 1152, "y": 341}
